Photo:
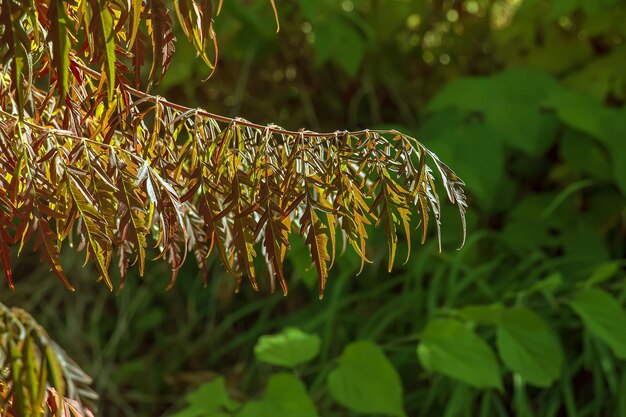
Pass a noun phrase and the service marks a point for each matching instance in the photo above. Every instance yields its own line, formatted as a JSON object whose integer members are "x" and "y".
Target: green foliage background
{"x": 525, "y": 99}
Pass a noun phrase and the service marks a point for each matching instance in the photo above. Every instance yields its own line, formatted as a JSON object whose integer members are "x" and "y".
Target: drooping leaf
{"x": 133, "y": 220}
{"x": 100, "y": 244}
{"x": 49, "y": 250}
{"x": 352, "y": 211}
{"x": 193, "y": 21}
{"x": 207, "y": 20}
{"x": 160, "y": 30}
{"x": 16, "y": 39}
{"x": 136, "y": 11}
{"x": 314, "y": 232}
{"x": 243, "y": 226}
{"x": 394, "y": 211}
{"x": 104, "y": 28}
{"x": 60, "y": 41}
{"x": 276, "y": 231}
{"x": 5, "y": 260}
{"x": 6, "y": 217}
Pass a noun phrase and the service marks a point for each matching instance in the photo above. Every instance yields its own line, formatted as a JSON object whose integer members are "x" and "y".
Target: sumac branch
{"x": 91, "y": 160}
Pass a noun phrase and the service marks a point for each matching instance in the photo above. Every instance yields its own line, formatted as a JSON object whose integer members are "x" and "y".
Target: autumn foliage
{"x": 90, "y": 160}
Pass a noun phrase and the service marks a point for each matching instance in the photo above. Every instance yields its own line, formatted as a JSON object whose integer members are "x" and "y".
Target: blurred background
{"x": 523, "y": 98}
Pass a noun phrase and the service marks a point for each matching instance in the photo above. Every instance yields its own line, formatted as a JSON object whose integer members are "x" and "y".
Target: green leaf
{"x": 587, "y": 114}
{"x": 285, "y": 396}
{"x": 528, "y": 346}
{"x": 510, "y": 103}
{"x": 61, "y": 45}
{"x": 208, "y": 400}
{"x": 134, "y": 23}
{"x": 472, "y": 146}
{"x": 211, "y": 396}
{"x": 604, "y": 272}
{"x": 603, "y": 316}
{"x": 603, "y": 75}
{"x": 547, "y": 285}
{"x": 584, "y": 155}
{"x": 366, "y": 382}
{"x": 337, "y": 40}
{"x": 16, "y": 40}
{"x": 108, "y": 34}
{"x": 453, "y": 349}
{"x": 585, "y": 243}
{"x": 289, "y": 348}
{"x": 557, "y": 53}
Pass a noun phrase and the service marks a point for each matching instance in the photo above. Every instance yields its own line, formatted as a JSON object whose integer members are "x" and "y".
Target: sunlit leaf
{"x": 453, "y": 349}
{"x": 99, "y": 243}
{"x": 16, "y": 39}
{"x": 60, "y": 41}
{"x": 208, "y": 399}
{"x": 289, "y": 348}
{"x": 285, "y": 395}
{"x": 104, "y": 24}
